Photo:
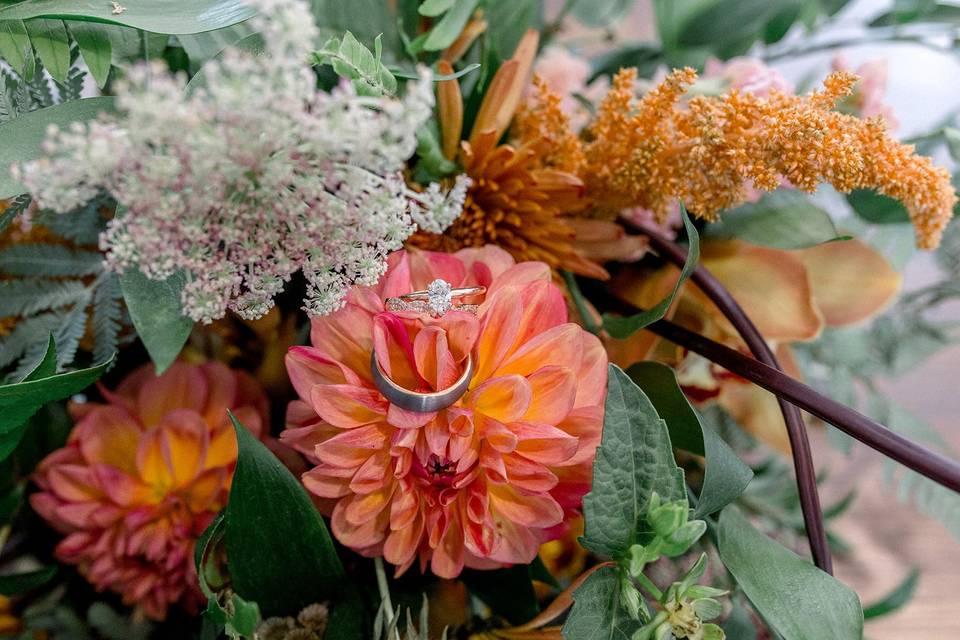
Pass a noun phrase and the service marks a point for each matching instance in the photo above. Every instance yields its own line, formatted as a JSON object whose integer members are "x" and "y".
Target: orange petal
{"x": 153, "y": 462}
{"x": 528, "y": 475}
{"x": 851, "y": 281}
{"x": 501, "y": 322}
{"x": 352, "y": 448}
{"x": 110, "y": 435}
{"x": 505, "y": 399}
{"x": 553, "y": 390}
{"x": 204, "y": 493}
{"x": 182, "y": 386}
{"x": 561, "y": 345}
{"x": 535, "y": 510}
{"x": 545, "y": 444}
{"x": 307, "y": 366}
{"x": 475, "y": 27}
{"x": 450, "y": 106}
{"x": 757, "y": 411}
{"x": 185, "y": 442}
{"x": 362, "y": 508}
{"x": 492, "y": 109}
{"x": 347, "y": 406}
{"x": 434, "y": 361}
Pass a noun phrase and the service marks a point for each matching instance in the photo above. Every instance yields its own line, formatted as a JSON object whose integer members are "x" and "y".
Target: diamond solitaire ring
{"x": 437, "y": 299}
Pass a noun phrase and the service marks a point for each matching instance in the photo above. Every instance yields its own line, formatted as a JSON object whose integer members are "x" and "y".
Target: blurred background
{"x": 887, "y": 534}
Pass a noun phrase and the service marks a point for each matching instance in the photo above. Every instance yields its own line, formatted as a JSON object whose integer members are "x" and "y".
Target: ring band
{"x": 436, "y": 299}
{"x": 462, "y": 292}
{"x": 416, "y": 401}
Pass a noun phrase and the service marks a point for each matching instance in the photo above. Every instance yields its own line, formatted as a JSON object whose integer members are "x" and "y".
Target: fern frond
{"x": 40, "y": 90}
{"x": 49, "y": 260}
{"x": 27, "y": 332}
{"x": 72, "y": 89}
{"x": 26, "y": 297}
{"x": 68, "y": 335}
{"x": 15, "y": 207}
{"x": 106, "y": 317}
{"x": 82, "y": 225}
{"x": 8, "y": 101}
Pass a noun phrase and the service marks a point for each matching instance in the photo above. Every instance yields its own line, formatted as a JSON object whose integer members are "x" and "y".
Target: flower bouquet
{"x": 470, "y": 319}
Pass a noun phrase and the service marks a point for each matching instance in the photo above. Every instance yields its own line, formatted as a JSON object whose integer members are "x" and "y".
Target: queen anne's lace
{"x": 250, "y": 177}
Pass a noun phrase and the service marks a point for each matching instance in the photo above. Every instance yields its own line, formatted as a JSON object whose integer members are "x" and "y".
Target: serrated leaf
{"x": 280, "y": 553}
{"x": 49, "y": 260}
{"x": 96, "y": 49}
{"x": 446, "y": 30}
{"x": 634, "y": 460}
{"x": 70, "y": 332}
{"x": 15, "y": 47}
{"x": 726, "y": 476}
{"x": 52, "y": 44}
{"x": 597, "y": 612}
{"x": 23, "y": 136}
{"x": 797, "y": 599}
{"x": 169, "y": 17}
{"x": 622, "y": 328}
{"x": 106, "y": 318}
{"x": 155, "y": 310}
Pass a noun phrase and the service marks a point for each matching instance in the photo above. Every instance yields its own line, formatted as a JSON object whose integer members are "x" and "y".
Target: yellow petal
{"x": 450, "y": 105}
{"x": 851, "y": 281}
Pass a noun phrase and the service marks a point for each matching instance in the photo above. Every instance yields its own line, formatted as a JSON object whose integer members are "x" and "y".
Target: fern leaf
{"x": 27, "y": 332}
{"x": 82, "y": 225}
{"x": 39, "y": 88}
{"x": 49, "y": 260}
{"x": 15, "y": 207}
{"x": 28, "y": 296}
{"x": 68, "y": 335}
{"x": 72, "y": 87}
{"x": 8, "y": 101}
{"x": 107, "y": 314}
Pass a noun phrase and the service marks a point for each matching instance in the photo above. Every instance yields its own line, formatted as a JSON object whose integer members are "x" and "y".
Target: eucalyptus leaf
{"x": 598, "y": 612}
{"x": 726, "y": 476}
{"x": 783, "y": 220}
{"x": 621, "y": 328}
{"x": 169, "y": 17}
{"x": 23, "y": 136}
{"x": 798, "y": 600}
{"x": 155, "y": 310}
{"x": 634, "y": 460}
{"x": 279, "y": 551}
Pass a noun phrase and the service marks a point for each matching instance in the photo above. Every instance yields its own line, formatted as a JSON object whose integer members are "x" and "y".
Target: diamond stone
{"x": 438, "y": 297}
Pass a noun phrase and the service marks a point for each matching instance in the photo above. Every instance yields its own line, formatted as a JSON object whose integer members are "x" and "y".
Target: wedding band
{"x": 416, "y": 401}
{"x": 436, "y": 299}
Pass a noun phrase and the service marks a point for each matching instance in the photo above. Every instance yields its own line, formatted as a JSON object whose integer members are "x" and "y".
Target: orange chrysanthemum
{"x": 143, "y": 475}
{"x": 484, "y": 482}
{"x": 649, "y": 152}
{"x": 525, "y": 195}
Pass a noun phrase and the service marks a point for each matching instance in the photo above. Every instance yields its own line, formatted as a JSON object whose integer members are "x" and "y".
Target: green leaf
{"x": 726, "y": 476}
{"x": 508, "y": 592}
{"x": 601, "y": 13}
{"x": 783, "y": 220}
{"x": 739, "y": 625}
{"x": 437, "y": 76}
{"x": 13, "y": 584}
{"x": 52, "y": 44}
{"x": 10, "y": 504}
{"x": 433, "y": 8}
{"x": 169, "y": 17}
{"x": 155, "y": 310}
{"x": 94, "y": 43}
{"x": 798, "y": 600}
{"x": 49, "y": 260}
{"x": 351, "y": 59}
{"x": 721, "y": 23}
{"x": 201, "y": 47}
{"x": 278, "y": 549}
{"x": 23, "y": 136}
{"x": 634, "y": 460}
{"x": 47, "y": 365}
{"x": 621, "y": 328}
{"x": 21, "y": 400}
{"x": 896, "y": 599}
{"x": 598, "y": 612}
{"x": 446, "y": 30}
{"x": 15, "y": 47}
{"x": 877, "y": 208}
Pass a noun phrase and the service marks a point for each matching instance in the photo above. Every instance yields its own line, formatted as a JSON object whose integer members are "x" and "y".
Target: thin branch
{"x": 796, "y": 431}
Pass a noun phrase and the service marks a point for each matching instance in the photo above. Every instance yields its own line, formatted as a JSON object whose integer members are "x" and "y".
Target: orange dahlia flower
{"x": 484, "y": 482}
{"x": 142, "y": 476}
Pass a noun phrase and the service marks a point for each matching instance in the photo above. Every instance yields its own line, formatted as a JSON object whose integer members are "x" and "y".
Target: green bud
{"x": 713, "y": 632}
{"x": 683, "y": 538}
{"x": 707, "y": 608}
{"x": 668, "y": 518}
{"x": 641, "y": 556}
{"x": 631, "y": 599}
{"x": 698, "y": 591}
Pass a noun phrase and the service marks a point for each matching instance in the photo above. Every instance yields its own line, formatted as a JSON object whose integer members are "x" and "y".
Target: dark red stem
{"x": 796, "y": 431}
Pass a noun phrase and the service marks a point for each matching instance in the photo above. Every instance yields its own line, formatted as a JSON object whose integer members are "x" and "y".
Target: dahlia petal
{"x": 434, "y": 360}
{"x": 427, "y": 266}
{"x": 204, "y": 493}
{"x": 394, "y": 349}
{"x": 489, "y": 259}
{"x": 498, "y": 435}
{"x": 519, "y": 275}
{"x": 448, "y": 556}
{"x": 372, "y": 474}
{"x": 109, "y": 435}
{"x": 586, "y": 424}
{"x": 185, "y": 442}
{"x": 554, "y": 391}
{"x": 559, "y": 346}
{"x": 515, "y": 543}
{"x": 352, "y": 448}
{"x": 182, "y": 386}
{"x": 341, "y": 339}
{"x": 528, "y": 475}
{"x": 436, "y": 435}
{"x": 361, "y": 508}
{"x": 347, "y": 406}
{"x": 119, "y": 487}
{"x": 404, "y": 508}
{"x": 405, "y": 419}
{"x": 501, "y": 322}
{"x": 307, "y": 367}
{"x": 362, "y": 536}
{"x": 401, "y": 545}
{"x": 504, "y": 398}
{"x": 222, "y": 391}
{"x": 326, "y": 482}
{"x": 73, "y": 483}
{"x": 592, "y": 374}
{"x": 545, "y": 444}
{"x": 544, "y": 307}
{"x": 531, "y": 510}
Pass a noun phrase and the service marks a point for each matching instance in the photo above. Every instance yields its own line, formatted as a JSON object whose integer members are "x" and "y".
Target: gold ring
{"x": 436, "y": 299}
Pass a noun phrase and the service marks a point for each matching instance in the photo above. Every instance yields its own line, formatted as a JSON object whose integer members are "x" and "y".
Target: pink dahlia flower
{"x": 143, "y": 475}
{"x": 484, "y": 482}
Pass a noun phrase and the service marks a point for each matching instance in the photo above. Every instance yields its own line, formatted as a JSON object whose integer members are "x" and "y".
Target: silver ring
{"x": 416, "y": 401}
{"x": 436, "y": 299}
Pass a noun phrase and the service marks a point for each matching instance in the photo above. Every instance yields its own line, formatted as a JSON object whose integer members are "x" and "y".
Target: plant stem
{"x": 647, "y": 584}
{"x": 384, "y": 590}
{"x": 796, "y": 431}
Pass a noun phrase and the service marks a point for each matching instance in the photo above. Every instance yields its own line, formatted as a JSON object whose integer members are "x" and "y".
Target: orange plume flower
{"x": 484, "y": 482}
{"x": 143, "y": 475}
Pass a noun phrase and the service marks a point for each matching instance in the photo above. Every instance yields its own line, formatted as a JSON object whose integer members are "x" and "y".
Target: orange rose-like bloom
{"x": 484, "y": 482}
{"x": 143, "y": 475}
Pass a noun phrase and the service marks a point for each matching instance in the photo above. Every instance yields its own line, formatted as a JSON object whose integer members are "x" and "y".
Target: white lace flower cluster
{"x": 252, "y": 176}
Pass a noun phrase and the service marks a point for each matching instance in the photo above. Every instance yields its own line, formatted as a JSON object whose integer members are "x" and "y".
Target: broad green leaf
{"x": 783, "y": 220}
{"x": 896, "y": 599}
{"x": 877, "y": 208}
{"x": 155, "y": 310}
{"x": 941, "y": 12}
{"x": 601, "y": 13}
{"x": 170, "y": 17}
{"x": 598, "y": 612}
{"x": 13, "y": 584}
{"x": 279, "y": 552}
{"x": 47, "y": 365}
{"x": 634, "y": 460}
{"x": 446, "y": 30}
{"x": 509, "y": 20}
{"x": 726, "y": 476}
{"x": 508, "y": 592}
{"x": 23, "y": 136}
{"x": 21, "y": 400}
{"x": 739, "y": 625}
{"x": 433, "y": 8}
{"x": 94, "y": 43}
{"x": 52, "y": 44}
{"x": 796, "y": 599}
{"x": 621, "y": 328}
{"x": 15, "y": 47}
{"x": 722, "y": 23}
{"x": 436, "y": 77}
{"x": 201, "y": 47}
